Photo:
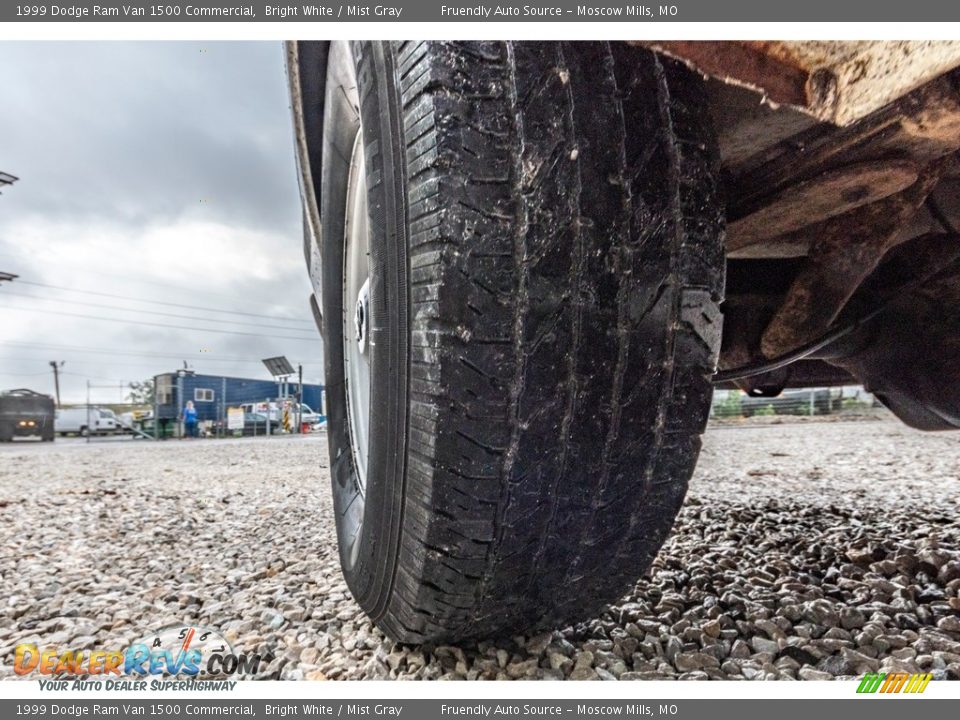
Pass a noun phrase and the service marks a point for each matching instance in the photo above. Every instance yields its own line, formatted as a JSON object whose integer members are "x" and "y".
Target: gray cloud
{"x": 144, "y": 132}
{"x": 161, "y": 171}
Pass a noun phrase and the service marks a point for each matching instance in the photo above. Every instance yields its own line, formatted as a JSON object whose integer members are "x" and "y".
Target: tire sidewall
{"x": 368, "y": 523}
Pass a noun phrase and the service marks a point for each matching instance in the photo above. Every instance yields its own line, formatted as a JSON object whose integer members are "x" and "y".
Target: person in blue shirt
{"x": 190, "y": 419}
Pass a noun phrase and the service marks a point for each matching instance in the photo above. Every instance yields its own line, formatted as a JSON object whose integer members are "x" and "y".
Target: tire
{"x": 545, "y": 268}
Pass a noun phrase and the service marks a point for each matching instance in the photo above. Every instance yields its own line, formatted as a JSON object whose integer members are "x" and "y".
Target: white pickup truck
{"x": 274, "y": 411}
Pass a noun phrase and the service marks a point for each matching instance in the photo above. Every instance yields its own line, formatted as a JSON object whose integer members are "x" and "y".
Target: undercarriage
{"x": 840, "y": 174}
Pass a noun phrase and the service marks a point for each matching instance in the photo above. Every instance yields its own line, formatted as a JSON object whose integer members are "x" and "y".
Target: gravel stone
{"x": 538, "y": 643}
{"x": 763, "y": 645}
{"x": 950, "y": 624}
{"x": 805, "y": 551}
{"x": 851, "y": 618}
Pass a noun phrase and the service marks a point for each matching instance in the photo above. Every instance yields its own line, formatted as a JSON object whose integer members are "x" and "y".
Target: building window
{"x": 164, "y": 387}
{"x": 202, "y": 395}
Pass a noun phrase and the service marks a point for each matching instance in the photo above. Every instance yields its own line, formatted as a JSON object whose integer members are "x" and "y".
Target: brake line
{"x": 831, "y": 336}
{"x": 765, "y": 366}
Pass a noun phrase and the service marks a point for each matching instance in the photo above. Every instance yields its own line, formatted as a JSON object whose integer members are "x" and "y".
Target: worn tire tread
{"x": 566, "y": 266}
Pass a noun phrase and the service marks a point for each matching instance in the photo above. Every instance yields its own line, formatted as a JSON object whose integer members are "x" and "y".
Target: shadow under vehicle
{"x": 532, "y": 262}
{"x": 25, "y": 413}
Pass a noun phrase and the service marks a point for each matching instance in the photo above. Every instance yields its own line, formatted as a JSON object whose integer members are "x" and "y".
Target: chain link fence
{"x": 843, "y": 402}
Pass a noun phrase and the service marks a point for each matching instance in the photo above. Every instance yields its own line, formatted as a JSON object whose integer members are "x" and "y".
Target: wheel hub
{"x": 356, "y": 311}
{"x": 360, "y": 317}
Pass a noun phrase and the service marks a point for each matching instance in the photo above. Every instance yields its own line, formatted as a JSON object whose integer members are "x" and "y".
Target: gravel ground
{"x": 804, "y": 551}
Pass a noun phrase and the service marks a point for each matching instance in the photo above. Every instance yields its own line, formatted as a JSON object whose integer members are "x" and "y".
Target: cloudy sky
{"x": 156, "y": 219}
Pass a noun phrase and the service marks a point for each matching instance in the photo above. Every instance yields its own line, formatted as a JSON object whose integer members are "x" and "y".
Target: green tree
{"x": 765, "y": 411}
{"x": 729, "y": 406}
{"x": 140, "y": 393}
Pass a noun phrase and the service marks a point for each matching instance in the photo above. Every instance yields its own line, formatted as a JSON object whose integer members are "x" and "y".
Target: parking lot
{"x": 805, "y": 550}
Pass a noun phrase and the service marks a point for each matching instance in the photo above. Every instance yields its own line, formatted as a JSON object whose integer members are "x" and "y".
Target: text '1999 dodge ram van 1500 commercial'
{"x": 532, "y": 262}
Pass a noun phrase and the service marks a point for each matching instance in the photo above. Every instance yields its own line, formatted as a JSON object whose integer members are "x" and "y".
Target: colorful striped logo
{"x": 894, "y": 682}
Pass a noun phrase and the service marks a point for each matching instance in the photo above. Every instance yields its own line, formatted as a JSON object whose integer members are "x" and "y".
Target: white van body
{"x": 80, "y": 419}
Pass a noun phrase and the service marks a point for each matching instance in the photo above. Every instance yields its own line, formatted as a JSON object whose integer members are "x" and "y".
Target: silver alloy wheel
{"x": 356, "y": 313}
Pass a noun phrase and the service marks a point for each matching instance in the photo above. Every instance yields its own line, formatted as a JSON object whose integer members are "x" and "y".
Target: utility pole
{"x": 179, "y": 405}
{"x": 299, "y": 398}
{"x": 56, "y": 377}
{"x": 156, "y": 411}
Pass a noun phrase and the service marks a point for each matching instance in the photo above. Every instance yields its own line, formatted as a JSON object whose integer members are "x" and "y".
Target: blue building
{"x": 213, "y": 394}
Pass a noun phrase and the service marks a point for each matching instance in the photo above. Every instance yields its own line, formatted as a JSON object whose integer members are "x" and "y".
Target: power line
{"x": 162, "y": 302}
{"x": 115, "y": 379}
{"x": 134, "y": 364}
{"x": 111, "y": 351}
{"x": 151, "y": 312}
{"x": 119, "y": 381}
{"x": 131, "y": 372}
{"x": 49, "y": 259}
{"x": 152, "y": 324}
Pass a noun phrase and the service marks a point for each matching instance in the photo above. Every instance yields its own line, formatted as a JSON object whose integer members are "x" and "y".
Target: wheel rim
{"x": 356, "y": 304}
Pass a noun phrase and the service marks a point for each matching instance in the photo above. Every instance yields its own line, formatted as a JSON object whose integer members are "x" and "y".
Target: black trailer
{"x": 25, "y": 412}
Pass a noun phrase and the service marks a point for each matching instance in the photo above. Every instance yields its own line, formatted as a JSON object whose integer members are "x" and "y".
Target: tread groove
{"x": 555, "y": 380}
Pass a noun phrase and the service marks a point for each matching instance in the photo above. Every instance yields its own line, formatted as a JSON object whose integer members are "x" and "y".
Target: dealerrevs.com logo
{"x": 894, "y": 683}
{"x": 190, "y": 651}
